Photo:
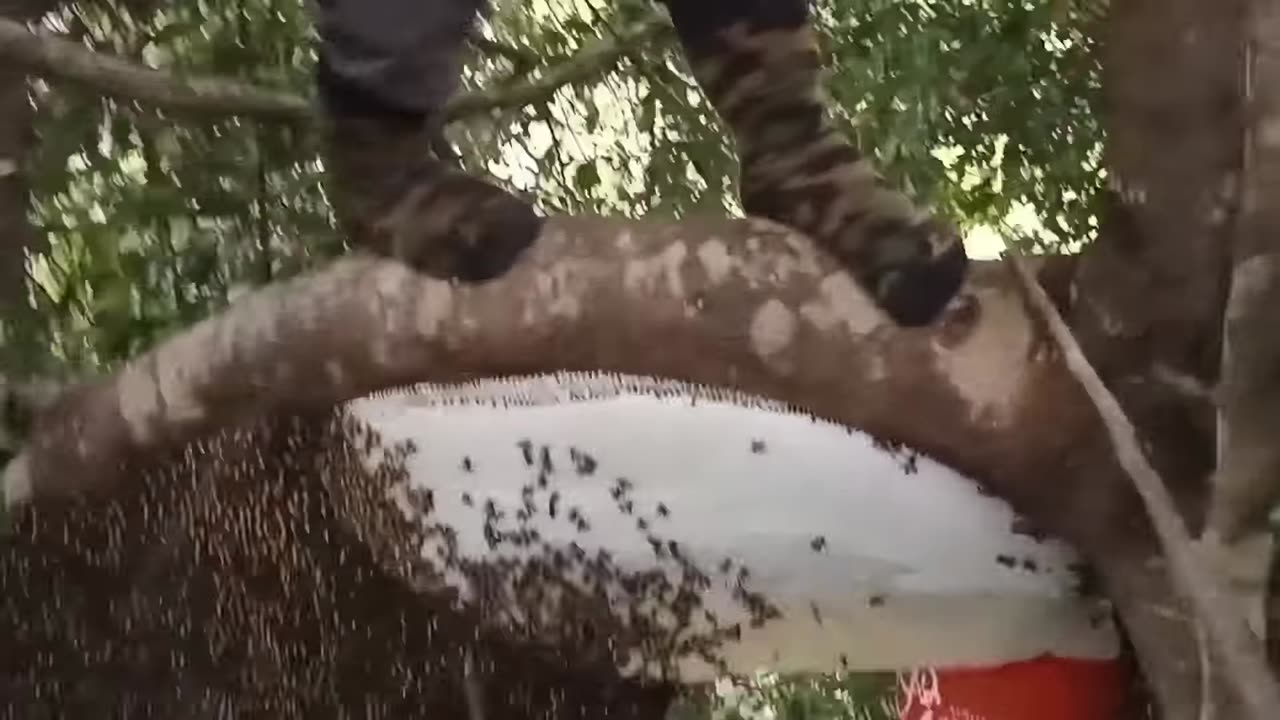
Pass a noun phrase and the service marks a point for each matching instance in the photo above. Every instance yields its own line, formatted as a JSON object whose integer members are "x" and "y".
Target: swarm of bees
{"x": 263, "y": 571}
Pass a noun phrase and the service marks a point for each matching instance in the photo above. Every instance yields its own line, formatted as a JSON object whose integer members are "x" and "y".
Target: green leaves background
{"x": 982, "y": 107}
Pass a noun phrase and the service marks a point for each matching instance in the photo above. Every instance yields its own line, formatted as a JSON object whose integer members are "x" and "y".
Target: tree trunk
{"x": 17, "y": 236}
{"x": 1247, "y": 484}
{"x": 1152, "y": 288}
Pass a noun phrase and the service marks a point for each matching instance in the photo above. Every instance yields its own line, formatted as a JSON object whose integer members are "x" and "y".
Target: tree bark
{"x": 741, "y": 303}
{"x": 1242, "y": 657}
{"x": 17, "y": 236}
{"x": 1152, "y": 288}
{"x": 1248, "y": 482}
{"x": 1246, "y": 487}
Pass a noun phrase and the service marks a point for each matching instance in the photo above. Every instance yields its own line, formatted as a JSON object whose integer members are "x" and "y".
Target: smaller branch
{"x": 1184, "y": 385}
{"x": 1235, "y": 647}
{"x": 519, "y": 58}
{"x": 593, "y": 59}
{"x": 61, "y": 59}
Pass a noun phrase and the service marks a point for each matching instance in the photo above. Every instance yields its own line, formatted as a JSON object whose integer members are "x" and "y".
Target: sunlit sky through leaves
{"x": 614, "y": 133}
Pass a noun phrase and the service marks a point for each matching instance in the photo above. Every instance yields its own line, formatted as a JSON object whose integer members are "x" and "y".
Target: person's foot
{"x": 392, "y": 198}
{"x": 759, "y": 65}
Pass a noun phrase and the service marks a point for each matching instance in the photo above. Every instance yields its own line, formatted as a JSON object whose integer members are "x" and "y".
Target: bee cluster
{"x": 263, "y": 571}
{"x": 584, "y": 601}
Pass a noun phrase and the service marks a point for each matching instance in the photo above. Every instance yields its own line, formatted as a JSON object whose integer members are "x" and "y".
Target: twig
{"x": 520, "y": 58}
{"x": 1235, "y": 647}
{"x": 61, "y": 59}
{"x": 591, "y": 60}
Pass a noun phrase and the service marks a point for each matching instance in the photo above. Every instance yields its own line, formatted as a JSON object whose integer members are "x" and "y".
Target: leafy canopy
{"x": 985, "y": 108}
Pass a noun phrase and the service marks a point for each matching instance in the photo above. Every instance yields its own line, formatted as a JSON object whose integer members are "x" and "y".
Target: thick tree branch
{"x": 1243, "y": 657}
{"x": 777, "y": 319}
{"x": 593, "y": 59}
{"x": 60, "y": 59}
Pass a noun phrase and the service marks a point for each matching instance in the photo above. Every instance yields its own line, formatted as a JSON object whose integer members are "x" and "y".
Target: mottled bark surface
{"x": 1249, "y": 478}
{"x": 1247, "y": 484}
{"x": 741, "y": 304}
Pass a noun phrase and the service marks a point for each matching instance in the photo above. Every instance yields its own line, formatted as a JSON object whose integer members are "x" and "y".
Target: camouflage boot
{"x": 393, "y": 198}
{"x": 758, "y": 62}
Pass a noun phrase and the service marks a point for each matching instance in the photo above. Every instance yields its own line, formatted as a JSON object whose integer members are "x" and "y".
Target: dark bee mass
{"x": 264, "y": 573}
{"x": 757, "y": 446}
{"x": 818, "y": 544}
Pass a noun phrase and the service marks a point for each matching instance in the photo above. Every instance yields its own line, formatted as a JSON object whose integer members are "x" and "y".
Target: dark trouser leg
{"x": 386, "y": 69}
{"x": 758, "y": 63}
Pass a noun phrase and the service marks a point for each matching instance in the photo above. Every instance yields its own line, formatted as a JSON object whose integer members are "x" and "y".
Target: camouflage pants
{"x": 758, "y": 62}
{"x": 405, "y": 55}
{"x": 402, "y": 54}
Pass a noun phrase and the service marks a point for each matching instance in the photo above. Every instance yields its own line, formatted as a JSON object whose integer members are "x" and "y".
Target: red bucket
{"x": 1046, "y": 688}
